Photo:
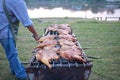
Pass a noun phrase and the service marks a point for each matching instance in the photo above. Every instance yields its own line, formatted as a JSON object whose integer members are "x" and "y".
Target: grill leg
{"x": 34, "y": 76}
{"x": 31, "y": 76}
{"x": 37, "y": 74}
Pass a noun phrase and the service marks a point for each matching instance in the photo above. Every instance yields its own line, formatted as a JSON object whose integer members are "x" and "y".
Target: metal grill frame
{"x": 61, "y": 69}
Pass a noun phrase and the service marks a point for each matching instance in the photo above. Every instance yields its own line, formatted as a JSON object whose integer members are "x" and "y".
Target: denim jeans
{"x": 12, "y": 56}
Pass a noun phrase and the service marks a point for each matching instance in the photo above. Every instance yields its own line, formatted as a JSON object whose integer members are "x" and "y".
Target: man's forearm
{"x": 33, "y": 31}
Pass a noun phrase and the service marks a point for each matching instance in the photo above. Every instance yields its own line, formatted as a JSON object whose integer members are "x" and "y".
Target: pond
{"x": 74, "y": 8}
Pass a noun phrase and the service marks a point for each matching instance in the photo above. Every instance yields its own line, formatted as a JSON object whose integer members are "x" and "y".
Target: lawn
{"x": 102, "y": 37}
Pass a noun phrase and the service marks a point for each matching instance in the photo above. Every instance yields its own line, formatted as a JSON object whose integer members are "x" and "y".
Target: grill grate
{"x": 58, "y": 63}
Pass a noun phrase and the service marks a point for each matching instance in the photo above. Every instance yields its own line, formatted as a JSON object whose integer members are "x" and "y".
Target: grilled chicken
{"x": 69, "y": 56}
{"x": 67, "y": 48}
{"x": 71, "y": 53}
{"x": 61, "y": 29}
{"x": 67, "y": 37}
{"x": 47, "y": 54}
{"x": 65, "y": 27}
{"x": 50, "y": 37}
{"x": 47, "y": 42}
{"x": 52, "y": 27}
{"x": 66, "y": 42}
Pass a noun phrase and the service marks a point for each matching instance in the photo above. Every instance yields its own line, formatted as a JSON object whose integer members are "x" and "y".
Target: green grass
{"x": 102, "y": 37}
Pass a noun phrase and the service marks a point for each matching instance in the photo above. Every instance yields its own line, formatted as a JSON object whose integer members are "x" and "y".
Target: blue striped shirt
{"x": 17, "y": 11}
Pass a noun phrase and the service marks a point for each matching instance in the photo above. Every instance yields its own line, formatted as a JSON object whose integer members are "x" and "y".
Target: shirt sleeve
{"x": 19, "y": 9}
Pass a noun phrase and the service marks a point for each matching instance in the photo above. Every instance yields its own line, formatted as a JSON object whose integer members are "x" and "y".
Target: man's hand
{"x": 36, "y": 37}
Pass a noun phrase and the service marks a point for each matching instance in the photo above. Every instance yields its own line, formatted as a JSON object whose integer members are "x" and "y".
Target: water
{"x": 74, "y": 8}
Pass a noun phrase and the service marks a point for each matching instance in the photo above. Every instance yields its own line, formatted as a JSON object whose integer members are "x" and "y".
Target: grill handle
{"x": 93, "y": 57}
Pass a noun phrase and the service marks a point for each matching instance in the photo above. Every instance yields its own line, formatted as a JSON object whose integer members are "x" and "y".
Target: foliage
{"x": 75, "y": 5}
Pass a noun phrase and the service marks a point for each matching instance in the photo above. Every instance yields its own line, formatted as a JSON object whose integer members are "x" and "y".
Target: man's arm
{"x": 19, "y": 9}
{"x": 33, "y": 31}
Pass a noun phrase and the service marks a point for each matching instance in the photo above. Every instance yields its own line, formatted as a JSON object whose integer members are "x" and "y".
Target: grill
{"x": 62, "y": 69}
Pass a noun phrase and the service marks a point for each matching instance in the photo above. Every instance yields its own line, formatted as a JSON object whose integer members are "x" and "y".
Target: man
{"x": 18, "y": 12}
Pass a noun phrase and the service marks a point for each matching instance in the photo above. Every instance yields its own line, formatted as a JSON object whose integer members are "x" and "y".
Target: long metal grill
{"x": 74, "y": 70}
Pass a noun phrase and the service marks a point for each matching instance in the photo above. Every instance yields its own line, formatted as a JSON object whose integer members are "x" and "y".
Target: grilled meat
{"x": 67, "y": 37}
{"x": 66, "y": 42}
{"x": 47, "y": 54}
{"x": 61, "y": 29}
{"x": 65, "y": 27}
{"x": 47, "y": 42}
{"x": 50, "y": 37}
{"x": 71, "y": 54}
